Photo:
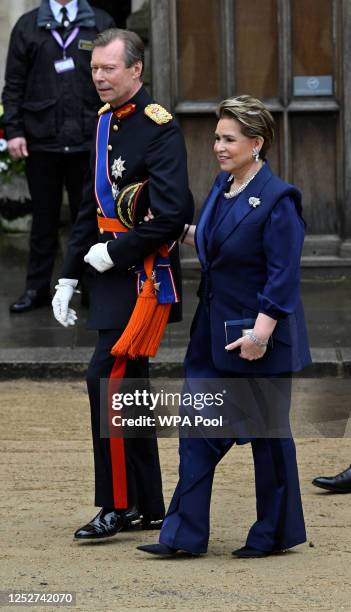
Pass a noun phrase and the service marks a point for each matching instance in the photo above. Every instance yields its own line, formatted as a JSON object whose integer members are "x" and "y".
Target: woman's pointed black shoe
{"x": 162, "y": 550}
{"x": 158, "y": 549}
{"x": 246, "y": 552}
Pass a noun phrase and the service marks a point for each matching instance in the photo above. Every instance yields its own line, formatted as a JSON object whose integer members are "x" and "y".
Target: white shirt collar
{"x": 72, "y": 10}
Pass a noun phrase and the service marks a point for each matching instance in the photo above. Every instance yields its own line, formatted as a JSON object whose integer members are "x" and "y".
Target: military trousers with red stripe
{"x": 127, "y": 470}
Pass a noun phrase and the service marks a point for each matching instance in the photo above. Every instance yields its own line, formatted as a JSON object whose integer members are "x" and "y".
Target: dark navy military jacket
{"x": 143, "y": 150}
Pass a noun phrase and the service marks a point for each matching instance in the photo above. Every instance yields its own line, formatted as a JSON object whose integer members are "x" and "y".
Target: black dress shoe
{"x": 148, "y": 523}
{"x": 29, "y": 300}
{"x": 131, "y": 518}
{"x": 106, "y": 524}
{"x": 246, "y": 552}
{"x": 144, "y": 523}
{"x": 341, "y": 483}
{"x": 162, "y": 550}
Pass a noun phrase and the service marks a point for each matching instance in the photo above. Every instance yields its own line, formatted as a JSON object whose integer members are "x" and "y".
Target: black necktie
{"x": 64, "y": 20}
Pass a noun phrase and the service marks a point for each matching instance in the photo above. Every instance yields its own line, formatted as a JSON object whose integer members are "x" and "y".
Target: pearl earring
{"x": 256, "y": 154}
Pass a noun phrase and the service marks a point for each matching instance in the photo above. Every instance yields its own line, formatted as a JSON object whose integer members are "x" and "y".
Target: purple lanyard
{"x": 65, "y": 44}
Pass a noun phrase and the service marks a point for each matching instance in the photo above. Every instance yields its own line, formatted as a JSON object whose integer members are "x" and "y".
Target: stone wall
{"x": 10, "y": 11}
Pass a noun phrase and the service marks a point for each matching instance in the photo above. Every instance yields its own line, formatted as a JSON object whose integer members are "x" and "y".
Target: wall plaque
{"x": 313, "y": 85}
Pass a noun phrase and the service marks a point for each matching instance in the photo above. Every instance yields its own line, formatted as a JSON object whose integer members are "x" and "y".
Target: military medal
{"x": 118, "y": 168}
{"x": 115, "y": 190}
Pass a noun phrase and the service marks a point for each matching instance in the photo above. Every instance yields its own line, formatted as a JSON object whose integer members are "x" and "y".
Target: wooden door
{"x": 288, "y": 53}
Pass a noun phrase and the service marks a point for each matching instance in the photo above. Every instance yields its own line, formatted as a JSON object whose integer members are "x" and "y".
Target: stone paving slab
{"x": 60, "y": 362}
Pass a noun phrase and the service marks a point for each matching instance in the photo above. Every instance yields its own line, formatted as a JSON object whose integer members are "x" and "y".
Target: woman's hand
{"x": 188, "y": 236}
{"x": 188, "y": 229}
{"x": 249, "y": 349}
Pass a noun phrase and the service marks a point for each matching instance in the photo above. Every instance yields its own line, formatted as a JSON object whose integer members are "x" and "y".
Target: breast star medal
{"x": 118, "y": 168}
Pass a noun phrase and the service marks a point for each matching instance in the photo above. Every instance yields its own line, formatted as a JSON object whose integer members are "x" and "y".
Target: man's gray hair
{"x": 133, "y": 45}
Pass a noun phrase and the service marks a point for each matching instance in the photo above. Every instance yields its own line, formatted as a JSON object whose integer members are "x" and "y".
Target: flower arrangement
{"x": 8, "y": 167}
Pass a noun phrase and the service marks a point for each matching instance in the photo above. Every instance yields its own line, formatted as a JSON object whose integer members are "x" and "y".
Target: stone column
{"x": 136, "y": 5}
{"x": 345, "y": 250}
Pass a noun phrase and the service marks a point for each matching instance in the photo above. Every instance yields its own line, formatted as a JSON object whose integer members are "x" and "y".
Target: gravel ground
{"x": 47, "y": 473}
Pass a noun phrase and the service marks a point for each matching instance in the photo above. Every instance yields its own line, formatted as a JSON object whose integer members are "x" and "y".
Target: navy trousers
{"x": 140, "y": 455}
{"x": 280, "y": 522}
{"x": 47, "y": 174}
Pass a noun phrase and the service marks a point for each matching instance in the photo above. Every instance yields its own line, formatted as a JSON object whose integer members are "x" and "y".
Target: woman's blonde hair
{"x": 254, "y": 118}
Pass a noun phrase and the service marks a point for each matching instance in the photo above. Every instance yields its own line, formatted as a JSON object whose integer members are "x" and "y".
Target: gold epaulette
{"x": 106, "y": 107}
{"x": 157, "y": 113}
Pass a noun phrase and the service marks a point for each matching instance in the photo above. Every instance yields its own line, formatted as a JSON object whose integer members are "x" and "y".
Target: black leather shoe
{"x": 29, "y": 300}
{"x": 106, "y": 524}
{"x": 131, "y": 518}
{"x": 144, "y": 523}
{"x": 162, "y": 550}
{"x": 341, "y": 483}
{"x": 151, "y": 523}
{"x": 246, "y": 552}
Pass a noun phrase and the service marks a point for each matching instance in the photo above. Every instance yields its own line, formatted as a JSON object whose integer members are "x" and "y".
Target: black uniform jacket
{"x": 148, "y": 151}
{"x": 53, "y": 111}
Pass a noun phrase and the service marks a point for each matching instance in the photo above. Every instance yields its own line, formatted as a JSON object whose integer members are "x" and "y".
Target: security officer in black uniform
{"x": 50, "y": 107}
{"x": 138, "y": 141}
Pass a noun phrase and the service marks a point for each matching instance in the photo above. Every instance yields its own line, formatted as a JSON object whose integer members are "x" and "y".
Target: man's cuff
{"x": 13, "y": 133}
{"x": 107, "y": 256}
{"x": 109, "y": 252}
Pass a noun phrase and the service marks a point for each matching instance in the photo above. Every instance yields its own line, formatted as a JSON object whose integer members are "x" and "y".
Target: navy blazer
{"x": 252, "y": 264}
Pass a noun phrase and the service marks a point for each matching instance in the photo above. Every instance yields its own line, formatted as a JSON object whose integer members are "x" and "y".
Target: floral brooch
{"x": 254, "y": 202}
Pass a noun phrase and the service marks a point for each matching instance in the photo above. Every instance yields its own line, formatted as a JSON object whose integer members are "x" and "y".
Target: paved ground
{"x": 47, "y": 475}
{"x": 47, "y": 483}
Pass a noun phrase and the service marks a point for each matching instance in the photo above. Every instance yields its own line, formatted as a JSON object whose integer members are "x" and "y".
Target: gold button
{"x": 101, "y": 230}
{"x": 98, "y": 210}
{"x": 109, "y": 147}
{"x": 115, "y": 128}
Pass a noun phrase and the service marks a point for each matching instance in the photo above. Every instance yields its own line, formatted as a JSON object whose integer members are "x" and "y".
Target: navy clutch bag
{"x": 234, "y": 330}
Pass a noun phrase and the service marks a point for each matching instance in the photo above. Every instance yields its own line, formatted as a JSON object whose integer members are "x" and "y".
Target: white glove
{"x": 99, "y": 258}
{"x": 64, "y": 291}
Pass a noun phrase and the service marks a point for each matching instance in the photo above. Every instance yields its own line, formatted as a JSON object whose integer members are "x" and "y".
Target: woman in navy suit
{"x": 249, "y": 239}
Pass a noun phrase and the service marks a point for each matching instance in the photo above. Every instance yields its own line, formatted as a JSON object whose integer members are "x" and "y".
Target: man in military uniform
{"x": 139, "y": 147}
{"x": 50, "y": 108}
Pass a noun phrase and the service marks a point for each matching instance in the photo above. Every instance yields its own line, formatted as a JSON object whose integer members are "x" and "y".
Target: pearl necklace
{"x": 235, "y": 192}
